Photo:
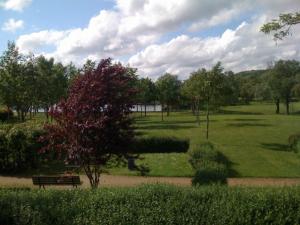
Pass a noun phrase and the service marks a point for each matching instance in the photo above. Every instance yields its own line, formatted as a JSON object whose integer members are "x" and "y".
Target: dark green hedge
{"x": 152, "y": 205}
{"x": 160, "y": 145}
{"x": 6, "y": 115}
{"x": 19, "y": 148}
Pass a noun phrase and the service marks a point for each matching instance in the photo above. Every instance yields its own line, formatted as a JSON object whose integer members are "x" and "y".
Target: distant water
{"x": 136, "y": 108}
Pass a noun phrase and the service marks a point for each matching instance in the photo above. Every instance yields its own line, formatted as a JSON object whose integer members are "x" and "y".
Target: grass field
{"x": 252, "y": 137}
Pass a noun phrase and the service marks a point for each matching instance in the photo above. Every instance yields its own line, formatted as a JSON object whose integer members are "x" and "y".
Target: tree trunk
{"x": 168, "y": 110}
{"x": 162, "y": 112}
{"x": 207, "y": 119}
{"x": 277, "y": 102}
{"x": 141, "y": 111}
{"x": 198, "y": 112}
{"x": 145, "y": 107}
{"x": 93, "y": 175}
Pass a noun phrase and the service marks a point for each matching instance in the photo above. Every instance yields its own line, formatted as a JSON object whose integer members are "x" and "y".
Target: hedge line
{"x": 160, "y": 145}
{"x": 152, "y": 205}
{"x": 19, "y": 147}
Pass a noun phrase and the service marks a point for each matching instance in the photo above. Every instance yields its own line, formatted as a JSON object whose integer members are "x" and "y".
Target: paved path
{"x": 126, "y": 181}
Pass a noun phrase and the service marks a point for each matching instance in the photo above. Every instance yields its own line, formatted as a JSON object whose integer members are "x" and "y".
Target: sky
{"x": 154, "y": 36}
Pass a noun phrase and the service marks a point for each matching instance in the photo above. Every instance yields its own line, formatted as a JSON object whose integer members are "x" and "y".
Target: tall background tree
{"x": 146, "y": 93}
{"x": 168, "y": 88}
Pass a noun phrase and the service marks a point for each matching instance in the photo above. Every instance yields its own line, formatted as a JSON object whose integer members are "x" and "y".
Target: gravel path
{"x": 127, "y": 181}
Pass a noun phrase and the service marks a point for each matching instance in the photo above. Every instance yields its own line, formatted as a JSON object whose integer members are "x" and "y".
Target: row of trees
{"x": 29, "y": 83}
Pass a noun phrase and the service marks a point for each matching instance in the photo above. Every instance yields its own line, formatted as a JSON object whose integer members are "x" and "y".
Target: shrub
{"x": 203, "y": 152}
{"x": 210, "y": 165}
{"x": 152, "y": 204}
{"x": 210, "y": 173}
{"x": 294, "y": 141}
{"x": 6, "y": 115}
{"x": 160, "y": 145}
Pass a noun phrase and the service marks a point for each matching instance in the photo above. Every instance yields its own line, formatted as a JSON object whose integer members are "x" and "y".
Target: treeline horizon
{"x": 29, "y": 83}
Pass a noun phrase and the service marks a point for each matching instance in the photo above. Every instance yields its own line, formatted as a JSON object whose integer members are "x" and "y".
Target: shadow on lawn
{"x": 164, "y": 127}
{"x": 229, "y": 164}
{"x": 222, "y": 111}
{"x": 244, "y": 119}
{"x": 248, "y": 125}
{"x": 276, "y": 147}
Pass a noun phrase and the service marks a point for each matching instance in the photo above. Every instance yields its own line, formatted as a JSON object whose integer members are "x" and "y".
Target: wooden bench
{"x": 56, "y": 180}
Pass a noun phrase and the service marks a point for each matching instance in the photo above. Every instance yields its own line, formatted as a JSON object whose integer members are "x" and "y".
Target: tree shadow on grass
{"x": 244, "y": 119}
{"x": 164, "y": 127}
{"x": 229, "y": 164}
{"x": 248, "y": 125}
{"x": 276, "y": 147}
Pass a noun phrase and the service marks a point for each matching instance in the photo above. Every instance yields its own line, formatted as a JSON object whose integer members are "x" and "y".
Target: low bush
{"x": 210, "y": 173}
{"x": 148, "y": 205}
{"x": 202, "y": 153}
{"x": 210, "y": 165}
{"x": 294, "y": 142}
{"x": 160, "y": 145}
{"x": 6, "y": 114}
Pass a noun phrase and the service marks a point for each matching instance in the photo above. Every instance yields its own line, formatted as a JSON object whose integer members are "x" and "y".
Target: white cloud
{"x": 12, "y": 25}
{"x": 16, "y": 5}
{"x": 241, "y": 49}
{"x": 134, "y": 29}
{"x": 34, "y": 41}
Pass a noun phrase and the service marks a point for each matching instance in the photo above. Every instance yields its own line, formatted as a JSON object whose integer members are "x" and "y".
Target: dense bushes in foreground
{"x": 152, "y": 205}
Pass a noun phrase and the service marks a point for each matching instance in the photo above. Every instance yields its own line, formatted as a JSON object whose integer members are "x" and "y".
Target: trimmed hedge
{"x": 19, "y": 148}
{"x": 209, "y": 164}
{"x": 6, "y": 115}
{"x": 152, "y": 205}
{"x": 160, "y": 145}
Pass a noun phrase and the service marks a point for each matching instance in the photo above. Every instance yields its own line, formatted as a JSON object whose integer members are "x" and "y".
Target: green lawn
{"x": 252, "y": 137}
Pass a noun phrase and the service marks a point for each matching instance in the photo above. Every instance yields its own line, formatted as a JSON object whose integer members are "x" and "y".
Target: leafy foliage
{"x": 281, "y": 27}
{"x": 94, "y": 122}
{"x": 19, "y": 146}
